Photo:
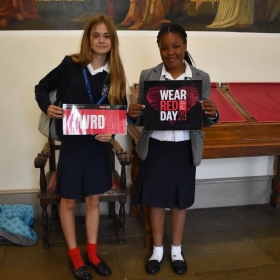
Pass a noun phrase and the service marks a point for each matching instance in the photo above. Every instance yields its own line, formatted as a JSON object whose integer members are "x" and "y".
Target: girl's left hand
{"x": 209, "y": 107}
{"x": 103, "y": 137}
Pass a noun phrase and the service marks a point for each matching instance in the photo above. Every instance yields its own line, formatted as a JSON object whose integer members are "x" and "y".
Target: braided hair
{"x": 178, "y": 29}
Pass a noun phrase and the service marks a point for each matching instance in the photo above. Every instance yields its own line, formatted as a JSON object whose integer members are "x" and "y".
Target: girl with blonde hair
{"x": 84, "y": 163}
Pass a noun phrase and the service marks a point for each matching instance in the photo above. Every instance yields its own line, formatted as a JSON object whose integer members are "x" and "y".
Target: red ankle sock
{"x": 92, "y": 253}
{"x": 76, "y": 258}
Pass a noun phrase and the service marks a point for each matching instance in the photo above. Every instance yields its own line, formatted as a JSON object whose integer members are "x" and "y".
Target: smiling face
{"x": 100, "y": 40}
{"x": 172, "y": 51}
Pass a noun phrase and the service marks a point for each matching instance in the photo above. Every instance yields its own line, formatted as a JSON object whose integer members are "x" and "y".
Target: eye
{"x": 107, "y": 36}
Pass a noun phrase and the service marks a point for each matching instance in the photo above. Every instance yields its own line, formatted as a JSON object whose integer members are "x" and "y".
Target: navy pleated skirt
{"x": 83, "y": 168}
{"x": 166, "y": 178}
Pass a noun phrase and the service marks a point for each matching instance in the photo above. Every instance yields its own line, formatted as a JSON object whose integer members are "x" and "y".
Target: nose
{"x": 169, "y": 51}
{"x": 101, "y": 38}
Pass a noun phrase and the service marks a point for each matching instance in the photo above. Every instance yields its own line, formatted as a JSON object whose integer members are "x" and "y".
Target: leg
{"x": 178, "y": 218}
{"x": 77, "y": 265}
{"x": 92, "y": 218}
{"x": 68, "y": 221}
{"x": 157, "y": 216}
{"x": 92, "y": 225}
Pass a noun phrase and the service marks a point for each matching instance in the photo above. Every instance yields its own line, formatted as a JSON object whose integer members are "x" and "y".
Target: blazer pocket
{"x": 143, "y": 144}
{"x": 197, "y": 139}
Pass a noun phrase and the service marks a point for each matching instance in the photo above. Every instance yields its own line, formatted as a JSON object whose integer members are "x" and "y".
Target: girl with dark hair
{"x": 166, "y": 175}
{"x": 182, "y": 33}
{"x": 84, "y": 163}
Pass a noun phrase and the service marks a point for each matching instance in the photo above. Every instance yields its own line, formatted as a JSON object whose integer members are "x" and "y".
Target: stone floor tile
{"x": 213, "y": 219}
{"x": 163, "y": 277}
{"x": 34, "y": 262}
{"x": 221, "y": 250}
{"x": 268, "y": 239}
{"x": 133, "y": 227}
{"x": 2, "y": 249}
{"x": 259, "y": 215}
{"x": 267, "y": 272}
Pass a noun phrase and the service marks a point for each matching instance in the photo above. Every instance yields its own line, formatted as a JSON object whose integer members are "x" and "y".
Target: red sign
{"x": 172, "y": 105}
{"x": 82, "y": 119}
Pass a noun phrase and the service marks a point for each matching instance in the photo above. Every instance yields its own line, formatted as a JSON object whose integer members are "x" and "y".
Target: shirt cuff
{"x": 213, "y": 119}
{"x": 129, "y": 120}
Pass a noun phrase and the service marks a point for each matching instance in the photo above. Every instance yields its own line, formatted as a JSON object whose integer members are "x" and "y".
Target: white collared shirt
{"x": 173, "y": 135}
{"x": 98, "y": 70}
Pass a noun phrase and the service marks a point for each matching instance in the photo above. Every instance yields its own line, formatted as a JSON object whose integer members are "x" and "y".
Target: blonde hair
{"x": 117, "y": 75}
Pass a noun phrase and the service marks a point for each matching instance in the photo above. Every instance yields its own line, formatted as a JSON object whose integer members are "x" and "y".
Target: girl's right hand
{"x": 134, "y": 109}
{"x": 55, "y": 112}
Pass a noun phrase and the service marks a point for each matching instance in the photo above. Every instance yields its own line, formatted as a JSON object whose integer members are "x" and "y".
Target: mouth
{"x": 171, "y": 59}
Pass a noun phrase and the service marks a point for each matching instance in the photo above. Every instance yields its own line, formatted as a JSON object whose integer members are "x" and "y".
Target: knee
{"x": 68, "y": 204}
{"x": 92, "y": 201}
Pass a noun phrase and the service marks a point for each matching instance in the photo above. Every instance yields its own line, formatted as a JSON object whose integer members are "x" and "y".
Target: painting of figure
{"x": 234, "y": 12}
{"x": 18, "y": 10}
{"x": 193, "y": 15}
{"x": 150, "y": 14}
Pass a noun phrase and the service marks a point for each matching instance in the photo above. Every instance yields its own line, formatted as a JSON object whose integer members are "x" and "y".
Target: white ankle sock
{"x": 176, "y": 253}
{"x": 157, "y": 254}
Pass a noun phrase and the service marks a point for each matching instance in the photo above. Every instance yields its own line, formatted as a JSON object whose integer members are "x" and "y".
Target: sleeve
{"x": 140, "y": 100}
{"x": 46, "y": 85}
{"x": 206, "y": 89}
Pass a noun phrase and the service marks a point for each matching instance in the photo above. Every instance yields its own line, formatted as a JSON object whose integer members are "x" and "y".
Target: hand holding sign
{"x": 55, "y": 112}
{"x": 209, "y": 107}
{"x": 134, "y": 109}
{"x": 103, "y": 137}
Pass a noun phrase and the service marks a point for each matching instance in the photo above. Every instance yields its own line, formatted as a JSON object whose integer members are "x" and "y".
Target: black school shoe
{"x": 80, "y": 274}
{"x": 101, "y": 268}
{"x": 179, "y": 267}
{"x": 153, "y": 266}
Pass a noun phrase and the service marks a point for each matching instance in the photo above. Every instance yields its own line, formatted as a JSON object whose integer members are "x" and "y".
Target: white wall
{"x": 26, "y": 56}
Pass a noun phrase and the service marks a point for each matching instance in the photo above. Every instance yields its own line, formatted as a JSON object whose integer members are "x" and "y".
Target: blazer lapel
{"x": 195, "y": 73}
{"x": 156, "y": 71}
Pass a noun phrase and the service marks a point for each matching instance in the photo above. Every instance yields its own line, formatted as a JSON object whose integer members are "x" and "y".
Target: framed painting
{"x": 194, "y": 15}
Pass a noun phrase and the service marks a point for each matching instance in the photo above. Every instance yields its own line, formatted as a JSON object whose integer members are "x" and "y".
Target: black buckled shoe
{"x": 81, "y": 274}
{"x": 153, "y": 266}
{"x": 101, "y": 268}
{"x": 179, "y": 267}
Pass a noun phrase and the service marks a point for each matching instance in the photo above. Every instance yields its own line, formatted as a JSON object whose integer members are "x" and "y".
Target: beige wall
{"x": 26, "y": 56}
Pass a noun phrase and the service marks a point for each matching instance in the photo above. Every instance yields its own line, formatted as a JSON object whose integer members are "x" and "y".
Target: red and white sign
{"x": 83, "y": 119}
{"x": 172, "y": 105}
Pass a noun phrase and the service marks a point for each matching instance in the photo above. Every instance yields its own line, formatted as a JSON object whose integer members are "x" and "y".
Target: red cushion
{"x": 115, "y": 183}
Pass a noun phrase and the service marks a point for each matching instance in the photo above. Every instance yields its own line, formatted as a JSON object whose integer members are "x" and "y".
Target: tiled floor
{"x": 229, "y": 243}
